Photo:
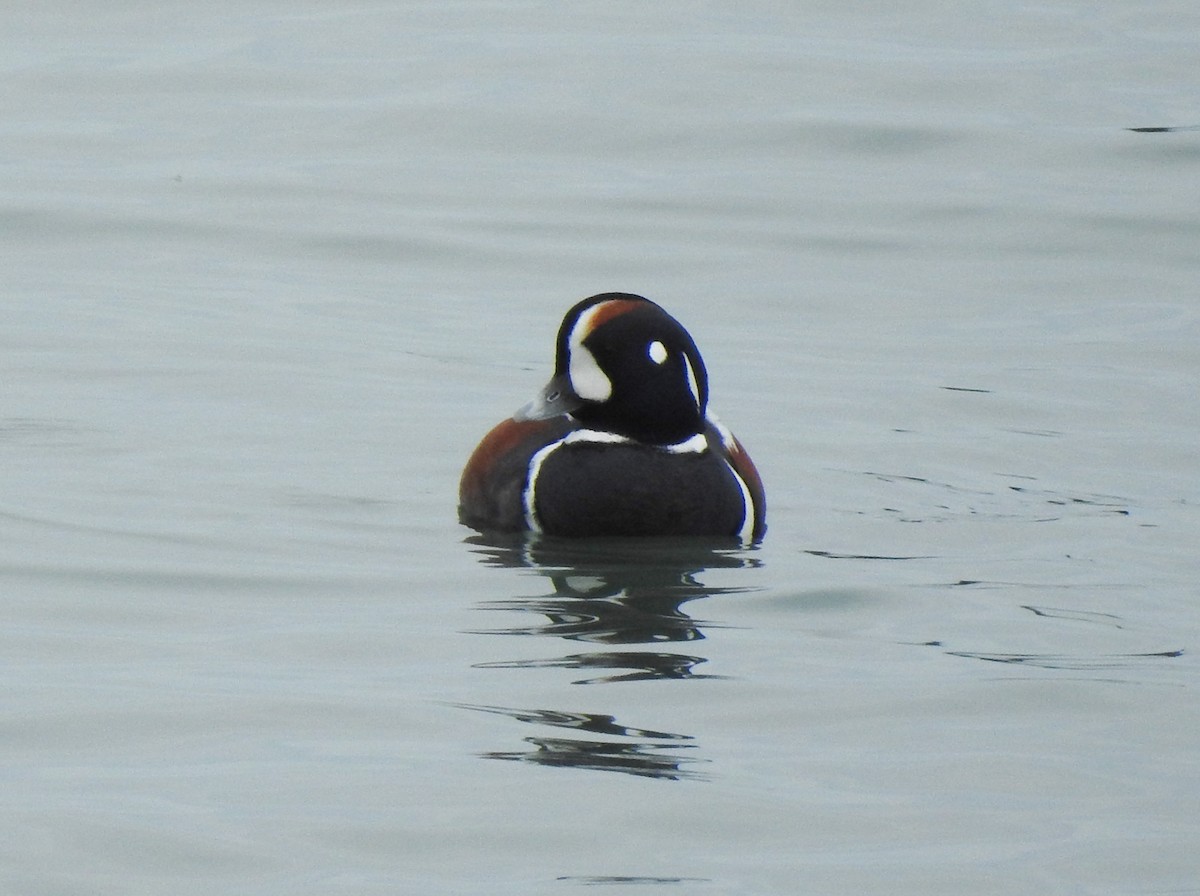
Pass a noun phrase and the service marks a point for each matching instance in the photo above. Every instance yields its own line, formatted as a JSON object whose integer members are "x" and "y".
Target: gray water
{"x": 269, "y": 272}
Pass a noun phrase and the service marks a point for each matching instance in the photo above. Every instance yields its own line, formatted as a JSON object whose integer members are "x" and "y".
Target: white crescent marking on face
{"x": 587, "y": 379}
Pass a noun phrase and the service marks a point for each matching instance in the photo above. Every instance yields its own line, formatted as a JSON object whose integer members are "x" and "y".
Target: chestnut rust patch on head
{"x": 606, "y": 311}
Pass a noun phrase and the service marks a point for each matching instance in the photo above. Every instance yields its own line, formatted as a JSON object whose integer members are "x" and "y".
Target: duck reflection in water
{"x": 611, "y": 592}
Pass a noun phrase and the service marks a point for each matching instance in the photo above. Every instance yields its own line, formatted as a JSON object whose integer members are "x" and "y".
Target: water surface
{"x": 270, "y": 271}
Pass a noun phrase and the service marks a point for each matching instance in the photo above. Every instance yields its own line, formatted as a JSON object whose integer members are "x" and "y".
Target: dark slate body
{"x": 602, "y": 488}
{"x": 589, "y": 488}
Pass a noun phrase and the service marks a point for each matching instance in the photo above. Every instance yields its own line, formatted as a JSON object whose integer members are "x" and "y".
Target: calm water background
{"x": 270, "y": 270}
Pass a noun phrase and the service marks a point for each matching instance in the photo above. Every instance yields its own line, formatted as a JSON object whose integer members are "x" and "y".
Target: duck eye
{"x": 657, "y": 352}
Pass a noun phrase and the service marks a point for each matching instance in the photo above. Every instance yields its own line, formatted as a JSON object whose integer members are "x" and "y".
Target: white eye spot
{"x": 658, "y": 352}
{"x": 587, "y": 379}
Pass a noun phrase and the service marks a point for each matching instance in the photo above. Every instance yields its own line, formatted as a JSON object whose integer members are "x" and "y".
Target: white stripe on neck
{"x": 696, "y": 444}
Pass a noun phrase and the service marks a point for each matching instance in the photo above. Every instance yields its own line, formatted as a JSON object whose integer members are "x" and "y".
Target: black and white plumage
{"x": 619, "y": 442}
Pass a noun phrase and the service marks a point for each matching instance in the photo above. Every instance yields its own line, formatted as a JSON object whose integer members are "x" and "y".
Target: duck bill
{"x": 555, "y": 399}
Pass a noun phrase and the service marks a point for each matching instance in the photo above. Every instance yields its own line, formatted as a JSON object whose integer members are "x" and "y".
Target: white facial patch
{"x": 657, "y": 352}
{"x": 587, "y": 379}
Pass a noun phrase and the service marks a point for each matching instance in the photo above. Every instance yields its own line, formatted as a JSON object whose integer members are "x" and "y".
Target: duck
{"x": 620, "y": 442}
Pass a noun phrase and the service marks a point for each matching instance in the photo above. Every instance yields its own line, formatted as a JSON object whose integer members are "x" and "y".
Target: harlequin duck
{"x": 619, "y": 442}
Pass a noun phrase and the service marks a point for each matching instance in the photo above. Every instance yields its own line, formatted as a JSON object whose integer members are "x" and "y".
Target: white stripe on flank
{"x": 751, "y": 512}
{"x": 529, "y": 498}
{"x": 747, "y": 531}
